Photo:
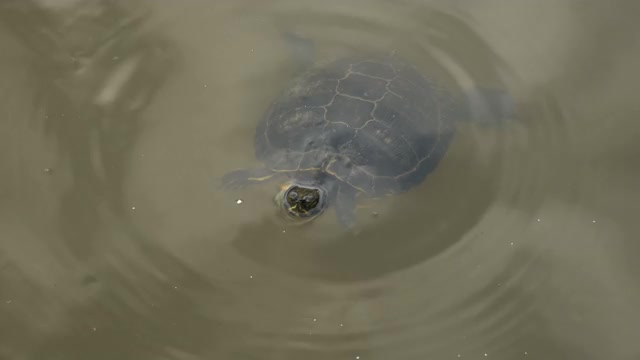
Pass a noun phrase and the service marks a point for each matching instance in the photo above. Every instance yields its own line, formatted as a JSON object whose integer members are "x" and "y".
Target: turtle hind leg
{"x": 488, "y": 106}
{"x": 244, "y": 177}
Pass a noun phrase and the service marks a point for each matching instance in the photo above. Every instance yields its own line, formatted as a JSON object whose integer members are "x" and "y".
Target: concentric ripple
{"x": 433, "y": 272}
{"x": 169, "y": 266}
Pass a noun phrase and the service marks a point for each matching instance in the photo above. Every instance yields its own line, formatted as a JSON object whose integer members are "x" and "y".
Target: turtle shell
{"x": 376, "y": 124}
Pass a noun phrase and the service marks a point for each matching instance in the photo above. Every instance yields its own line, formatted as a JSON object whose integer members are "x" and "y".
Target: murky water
{"x": 117, "y": 122}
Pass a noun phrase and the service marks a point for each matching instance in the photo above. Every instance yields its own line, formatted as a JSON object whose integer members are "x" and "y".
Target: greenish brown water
{"x": 117, "y": 121}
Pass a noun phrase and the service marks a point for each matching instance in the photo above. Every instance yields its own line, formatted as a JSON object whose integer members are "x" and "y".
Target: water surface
{"x": 117, "y": 121}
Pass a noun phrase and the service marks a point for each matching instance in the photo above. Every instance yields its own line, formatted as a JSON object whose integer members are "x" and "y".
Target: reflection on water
{"x": 118, "y": 119}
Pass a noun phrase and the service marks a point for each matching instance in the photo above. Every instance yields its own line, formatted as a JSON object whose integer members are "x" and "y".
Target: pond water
{"x": 118, "y": 120}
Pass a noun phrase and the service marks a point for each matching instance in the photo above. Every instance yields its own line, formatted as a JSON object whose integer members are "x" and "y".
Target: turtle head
{"x": 301, "y": 202}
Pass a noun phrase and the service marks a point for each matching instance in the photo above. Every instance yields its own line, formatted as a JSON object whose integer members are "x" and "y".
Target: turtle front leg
{"x": 240, "y": 178}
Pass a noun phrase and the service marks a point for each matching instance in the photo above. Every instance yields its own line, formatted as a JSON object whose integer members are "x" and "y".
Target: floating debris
{"x": 239, "y": 201}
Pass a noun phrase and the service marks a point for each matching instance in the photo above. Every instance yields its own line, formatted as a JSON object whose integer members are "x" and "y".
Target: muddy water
{"x": 117, "y": 122}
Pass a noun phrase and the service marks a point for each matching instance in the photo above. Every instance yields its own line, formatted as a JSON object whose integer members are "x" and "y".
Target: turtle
{"x": 359, "y": 126}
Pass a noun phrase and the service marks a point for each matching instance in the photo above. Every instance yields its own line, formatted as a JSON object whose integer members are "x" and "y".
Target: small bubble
{"x": 314, "y": 320}
{"x": 526, "y": 353}
{"x": 133, "y": 208}
{"x": 48, "y": 171}
{"x": 486, "y": 354}
{"x": 239, "y": 201}
{"x": 593, "y": 221}
{"x": 250, "y": 276}
{"x": 94, "y": 329}
{"x": 511, "y": 244}
{"x": 357, "y": 357}
{"x": 9, "y": 301}
{"x": 538, "y": 220}
{"x": 175, "y": 287}
{"x": 341, "y": 325}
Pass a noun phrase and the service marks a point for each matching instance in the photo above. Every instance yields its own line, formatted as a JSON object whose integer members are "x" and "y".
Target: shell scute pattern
{"x": 377, "y": 125}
